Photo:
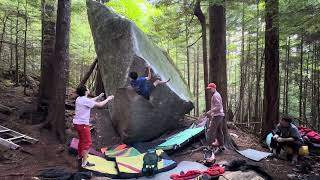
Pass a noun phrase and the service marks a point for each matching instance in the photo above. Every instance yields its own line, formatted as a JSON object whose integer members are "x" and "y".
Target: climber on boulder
{"x": 142, "y": 84}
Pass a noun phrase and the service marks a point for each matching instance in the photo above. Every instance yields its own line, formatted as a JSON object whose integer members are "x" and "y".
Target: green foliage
{"x": 81, "y": 41}
{"x": 300, "y": 16}
{"x": 139, "y": 11}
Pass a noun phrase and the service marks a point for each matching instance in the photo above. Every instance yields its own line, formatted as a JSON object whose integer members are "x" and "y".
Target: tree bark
{"x": 316, "y": 87}
{"x": 256, "y": 103}
{"x": 198, "y": 74}
{"x": 194, "y": 79}
{"x": 56, "y": 115}
{"x": 5, "y": 18}
{"x": 48, "y": 20}
{"x": 318, "y": 91}
{"x": 248, "y": 72}
{"x": 202, "y": 19}
{"x": 313, "y": 119}
{"x": 301, "y": 77}
{"x": 217, "y": 59}
{"x": 218, "y": 62}
{"x": 271, "y": 83}
{"x": 11, "y": 47}
{"x": 25, "y": 50}
{"x": 187, "y": 44}
{"x": 306, "y": 82}
{"x": 284, "y": 79}
{"x": 16, "y": 48}
{"x": 242, "y": 84}
{"x": 287, "y": 76}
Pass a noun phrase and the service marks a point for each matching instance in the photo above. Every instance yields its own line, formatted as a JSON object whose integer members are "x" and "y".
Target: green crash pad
{"x": 181, "y": 138}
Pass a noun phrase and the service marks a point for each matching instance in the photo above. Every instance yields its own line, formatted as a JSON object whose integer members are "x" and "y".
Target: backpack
{"x": 150, "y": 163}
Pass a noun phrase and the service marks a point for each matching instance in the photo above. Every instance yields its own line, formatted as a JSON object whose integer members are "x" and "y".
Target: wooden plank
{"x": 9, "y": 144}
{"x": 3, "y": 131}
{"x": 14, "y": 138}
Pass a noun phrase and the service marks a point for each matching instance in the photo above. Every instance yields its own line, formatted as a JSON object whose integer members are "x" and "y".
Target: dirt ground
{"x": 32, "y": 158}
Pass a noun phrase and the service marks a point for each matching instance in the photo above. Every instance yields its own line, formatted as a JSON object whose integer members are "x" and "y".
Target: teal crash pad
{"x": 181, "y": 138}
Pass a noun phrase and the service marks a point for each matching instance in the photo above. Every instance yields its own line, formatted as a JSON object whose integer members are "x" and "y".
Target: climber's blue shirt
{"x": 141, "y": 86}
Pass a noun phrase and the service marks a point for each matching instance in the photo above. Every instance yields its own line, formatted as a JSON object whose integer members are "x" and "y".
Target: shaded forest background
{"x": 27, "y": 30}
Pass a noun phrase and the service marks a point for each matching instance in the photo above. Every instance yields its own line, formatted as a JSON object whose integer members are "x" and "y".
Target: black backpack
{"x": 150, "y": 163}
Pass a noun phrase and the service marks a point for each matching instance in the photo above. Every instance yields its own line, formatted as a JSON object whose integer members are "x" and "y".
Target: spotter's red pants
{"x": 84, "y": 138}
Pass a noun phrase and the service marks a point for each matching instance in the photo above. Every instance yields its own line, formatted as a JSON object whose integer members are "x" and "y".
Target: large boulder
{"x": 122, "y": 47}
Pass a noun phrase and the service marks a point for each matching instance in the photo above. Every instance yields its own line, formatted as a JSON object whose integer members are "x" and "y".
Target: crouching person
{"x": 286, "y": 135}
{"x": 81, "y": 121}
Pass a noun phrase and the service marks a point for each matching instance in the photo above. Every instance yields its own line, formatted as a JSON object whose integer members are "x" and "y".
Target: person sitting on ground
{"x": 141, "y": 84}
{"x": 81, "y": 121}
{"x": 216, "y": 118}
{"x": 286, "y": 134}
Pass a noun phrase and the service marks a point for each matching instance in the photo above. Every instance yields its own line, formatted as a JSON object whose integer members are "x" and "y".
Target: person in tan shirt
{"x": 216, "y": 118}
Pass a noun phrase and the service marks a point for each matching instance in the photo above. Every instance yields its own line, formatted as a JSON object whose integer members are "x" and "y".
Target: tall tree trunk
{"x": 194, "y": 78}
{"x": 284, "y": 80}
{"x": 235, "y": 87}
{"x": 48, "y": 20}
{"x": 248, "y": 76}
{"x": 271, "y": 83}
{"x": 242, "y": 84}
{"x": 25, "y": 49}
{"x": 306, "y": 82}
{"x": 11, "y": 47}
{"x": 4, "y": 22}
{"x": 313, "y": 120}
{"x": 218, "y": 62}
{"x": 256, "y": 103}
{"x": 229, "y": 104}
{"x": 202, "y": 19}
{"x": 318, "y": 90}
{"x": 56, "y": 115}
{"x": 316, "y": 99}
{"x": 16, "y": 48}
{"x": 301, "y": 76}
{"x": 287, "y": 76}
{"x": 187, "y": 44}
{"x": 217, "y": 59}
{"x": 198, "y": 74}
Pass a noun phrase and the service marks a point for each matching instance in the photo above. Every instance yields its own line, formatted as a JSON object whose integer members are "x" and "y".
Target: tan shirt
{"x": 216, "y": 104}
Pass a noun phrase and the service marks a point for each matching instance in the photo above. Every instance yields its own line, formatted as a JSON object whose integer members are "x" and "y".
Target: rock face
{"x": 121, "y": 48}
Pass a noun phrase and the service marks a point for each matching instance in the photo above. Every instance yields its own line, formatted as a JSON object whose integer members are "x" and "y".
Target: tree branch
{"x": 194, "y": 42}
{"x": 87, "y": 75}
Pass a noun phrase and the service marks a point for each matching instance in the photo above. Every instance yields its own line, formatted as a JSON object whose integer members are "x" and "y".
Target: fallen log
{"x": 5, "y": 109}
{"x": 87, "y": 75}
